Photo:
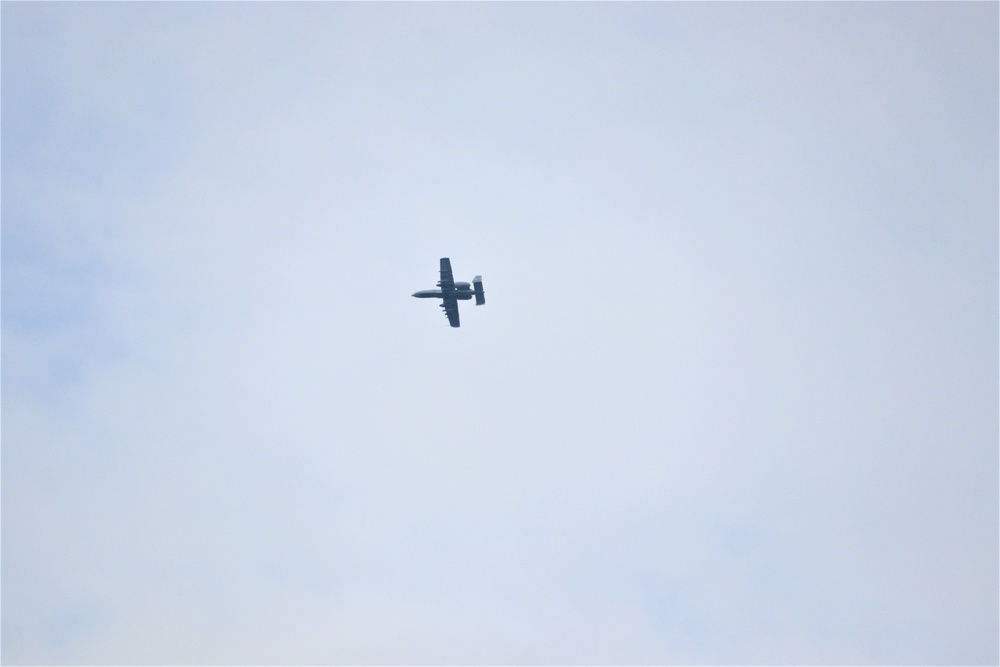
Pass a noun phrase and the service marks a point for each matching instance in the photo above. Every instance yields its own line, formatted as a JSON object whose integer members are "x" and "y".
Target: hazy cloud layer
{"x": 733, "y": 397}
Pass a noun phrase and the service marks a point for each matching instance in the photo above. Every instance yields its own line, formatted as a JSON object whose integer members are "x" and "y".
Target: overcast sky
{"x": 733, "y": 397}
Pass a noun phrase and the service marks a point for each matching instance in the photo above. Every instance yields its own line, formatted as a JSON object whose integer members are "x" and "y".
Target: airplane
{"x": 451, "y": 292}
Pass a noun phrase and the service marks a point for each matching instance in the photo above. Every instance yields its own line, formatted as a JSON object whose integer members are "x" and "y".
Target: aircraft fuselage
{"x": 460, "y": 294}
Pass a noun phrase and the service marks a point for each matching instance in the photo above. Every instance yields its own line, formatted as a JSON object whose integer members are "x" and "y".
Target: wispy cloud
{"x": 732, "y": 400}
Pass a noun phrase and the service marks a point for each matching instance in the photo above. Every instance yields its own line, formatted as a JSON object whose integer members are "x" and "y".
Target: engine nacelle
{"x": 462, "y": 286}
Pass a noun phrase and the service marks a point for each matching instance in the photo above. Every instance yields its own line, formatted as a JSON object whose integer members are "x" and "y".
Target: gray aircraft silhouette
{"x": 451, "y": 292}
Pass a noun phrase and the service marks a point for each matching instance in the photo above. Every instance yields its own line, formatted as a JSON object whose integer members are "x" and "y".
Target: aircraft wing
{"x": 451, "y": 309}
{"x": 447, "y": 283}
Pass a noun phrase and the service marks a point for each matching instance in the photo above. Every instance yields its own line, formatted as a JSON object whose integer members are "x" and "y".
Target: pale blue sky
{"x": 733, "y": 398}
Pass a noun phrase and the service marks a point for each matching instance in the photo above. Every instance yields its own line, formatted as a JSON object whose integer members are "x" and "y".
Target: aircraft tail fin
{"x": 477, "y": 284}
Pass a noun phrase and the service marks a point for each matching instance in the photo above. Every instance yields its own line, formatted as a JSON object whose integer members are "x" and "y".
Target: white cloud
{"x": 732, "y": 398}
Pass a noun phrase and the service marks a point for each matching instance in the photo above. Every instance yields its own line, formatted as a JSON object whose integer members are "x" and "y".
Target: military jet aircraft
{"x": 451, "y": 292}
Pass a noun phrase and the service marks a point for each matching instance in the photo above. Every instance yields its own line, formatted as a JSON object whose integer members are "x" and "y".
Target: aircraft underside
{"x": 451, "y": 292}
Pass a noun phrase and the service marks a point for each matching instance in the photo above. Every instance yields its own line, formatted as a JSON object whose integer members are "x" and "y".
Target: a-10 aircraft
{"x": 451, "y": 292}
